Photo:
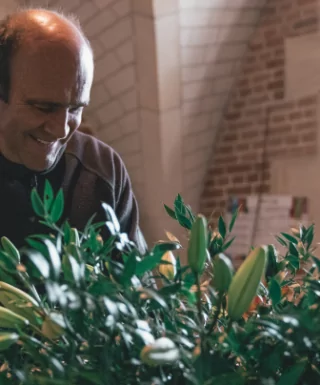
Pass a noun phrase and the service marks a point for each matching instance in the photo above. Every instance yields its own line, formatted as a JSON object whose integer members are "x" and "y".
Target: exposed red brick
{"x": 242, "y": 147}
{"x": 275, "y": 85}
{"x": 311, "y": 124}
{"x": 309, "y": 137}
{"x": 245, "y": 92}
{"x": 307, "y": 2}
{"x": 226, "y": 159}
{"x": 275, "y": 42}
{"x": 233, "y": 116}
{"x": 280, "y": 129}
{"x": 250, "y": 134}
{"x": 230, "y": 137}
{"x": 296, "y": 115}
{"x": 239, "y": 168}
{"x": 223, "y": 181}
{"x": 253, "y": 177}
{"x": 237, "y": 179}
{"x": 292, "y": 140}
{"x": 262, "y": 189}
{"x": 255, "y": 47}
{"x": 241, "y": 190}
{"x": 278, "y": 118}
{"x": 278, "y": 95}
{"x": 310, "y": 113}
{"x": 216, "y": 192}
{"x": 275, "y": 63}
{"x": 311, "y": 100}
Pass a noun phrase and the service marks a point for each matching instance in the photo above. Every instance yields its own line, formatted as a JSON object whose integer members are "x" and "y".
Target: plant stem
{"x": 216, "y": 315}
{"x": 229, "y": 326}
{"x": 199, "y": 304}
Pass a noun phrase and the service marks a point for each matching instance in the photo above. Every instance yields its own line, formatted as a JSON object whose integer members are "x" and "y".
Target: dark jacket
{"x": 89, "y": 172}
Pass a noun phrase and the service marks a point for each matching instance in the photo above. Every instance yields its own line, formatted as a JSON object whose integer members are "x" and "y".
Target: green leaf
{"x": 163, "y": 247}
{"x": 149, "y": 263}
{"x": 37, "y": 204}
{"x": 179, "y": 206}
{"x": 292, "y": 375}
{"x": 290, "y": 238}
{"x": 294, "y": 261}
{"x": 190, "y": 213}
{"x": 111, "y": 216}
{"x": 293, "y": 250}
{"x": 103, "y": 287}
{"x": 227, "y": 379}
{"x": 281, "y": 241}
{"x": 39, "y": 246}
{"x": 228, "y": 244}
{"x": 170, "y": 212}
{"x": 308, "y": 236}
{"x": 57, "y": 207}
{"x": 184, "y": 221}
{"x": 233, "y": 220}
{"x": 48, "y": 196}
{"x": 129, "y": 268}
{"x": 40, "y": 263}
{"x": 274, "y": 292}
{"x": 170, "y": 289}
{"x": 222, "y": 227}
{"x": 54, "y": 258}
{"x": 317, "y": 262}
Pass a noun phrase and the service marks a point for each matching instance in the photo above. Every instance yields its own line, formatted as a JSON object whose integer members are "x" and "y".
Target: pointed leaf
{"x": 111, "y": 217}
{"x": 54, "y": 258}
{"x": 40, "y": 263}
{"x": 57, "y": 207}
{"x": 233, "y": 220}
{"x": 292, "y": 374}
{"x": 274, "y": 292}
{"x": 222, "y": 227}
{"x": 48, "y": 196}
{"x": 290, "y": 238}
{"x": 37, "y": 204}
{"x": 170, "y": 212}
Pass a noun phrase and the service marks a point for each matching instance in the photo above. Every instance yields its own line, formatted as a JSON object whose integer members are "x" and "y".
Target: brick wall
{"x": 214, "y": 38}
{"x": 259, "y": 119}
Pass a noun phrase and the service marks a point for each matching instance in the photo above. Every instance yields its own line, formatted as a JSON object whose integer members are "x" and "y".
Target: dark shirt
{"x": 89, "y": 172}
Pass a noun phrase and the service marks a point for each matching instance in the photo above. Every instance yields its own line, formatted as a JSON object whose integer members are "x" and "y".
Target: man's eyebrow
{"x": 56, "y": 104}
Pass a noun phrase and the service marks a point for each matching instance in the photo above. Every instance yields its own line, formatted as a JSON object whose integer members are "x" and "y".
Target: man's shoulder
{"x": 94, "y": 156}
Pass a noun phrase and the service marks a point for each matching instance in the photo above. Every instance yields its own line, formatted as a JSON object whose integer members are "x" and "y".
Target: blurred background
{"x": 213, "y": 99}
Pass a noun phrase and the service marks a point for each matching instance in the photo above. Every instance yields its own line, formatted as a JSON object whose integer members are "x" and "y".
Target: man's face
{"x": 50, "y": 85}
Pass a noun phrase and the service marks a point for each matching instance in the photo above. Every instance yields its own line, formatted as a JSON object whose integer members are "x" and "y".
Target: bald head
{"x": 35, "y": 29}
{"x": 46, "y": 73}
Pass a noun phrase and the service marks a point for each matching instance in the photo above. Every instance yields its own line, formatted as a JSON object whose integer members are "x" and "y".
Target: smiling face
{"x": 50, "y": 84}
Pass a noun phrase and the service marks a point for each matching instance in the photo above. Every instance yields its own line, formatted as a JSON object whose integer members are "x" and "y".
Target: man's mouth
{"x": 45, "y": 142}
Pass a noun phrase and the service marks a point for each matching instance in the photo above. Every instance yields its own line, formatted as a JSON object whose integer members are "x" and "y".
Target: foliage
{"x": 80, "y": 309}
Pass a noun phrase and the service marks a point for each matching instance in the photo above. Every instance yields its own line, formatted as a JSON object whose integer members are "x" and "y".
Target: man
{"x": 46, "y": 73}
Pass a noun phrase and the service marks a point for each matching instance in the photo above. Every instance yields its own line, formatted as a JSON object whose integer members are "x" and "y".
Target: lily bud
{"x": 197, "y": 251}
{"x": 11, "y": 250}
{"x": 19, "y": 302}
{"x": 74, "y": 237}
{"x": 168, "y": 270}
{"x": 222, "y": 273}
{"x": 161, "y": 352}
{"x": 7, "y": 339}
{"x": 245, "y": 283}
{"x": 53, "y": 326}
{"x": 11, "y": 320}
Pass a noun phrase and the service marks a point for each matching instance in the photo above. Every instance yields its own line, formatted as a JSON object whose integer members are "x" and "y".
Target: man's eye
{"x": 44, "y": 108}
{"x": 74, "y": 110}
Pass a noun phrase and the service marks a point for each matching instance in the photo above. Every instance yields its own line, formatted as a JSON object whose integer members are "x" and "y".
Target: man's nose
{"x": 58, "y": 124}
